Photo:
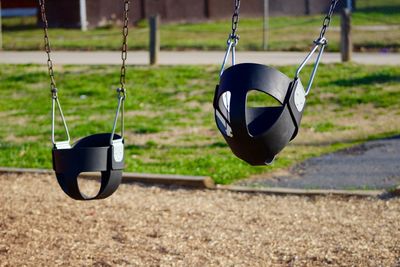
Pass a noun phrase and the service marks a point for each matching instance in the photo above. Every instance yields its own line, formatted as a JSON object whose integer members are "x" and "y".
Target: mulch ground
{"x": 153, "y": 226}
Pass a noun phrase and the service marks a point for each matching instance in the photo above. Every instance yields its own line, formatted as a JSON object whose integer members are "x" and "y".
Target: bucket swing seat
{"x": 103, "y": 152}
{"x": 257, "y": 134}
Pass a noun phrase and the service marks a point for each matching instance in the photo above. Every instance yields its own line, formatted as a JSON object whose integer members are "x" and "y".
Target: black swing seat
{"x": 90, "y": 154}
{"x": 257, "y": 135}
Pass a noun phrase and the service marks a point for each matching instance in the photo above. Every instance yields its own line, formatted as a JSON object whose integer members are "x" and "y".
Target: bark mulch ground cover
{"x": 153, "y": 226}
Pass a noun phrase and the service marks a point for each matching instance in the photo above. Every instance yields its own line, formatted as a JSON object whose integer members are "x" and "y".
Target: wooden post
{"x": 142, "y": 9}
{"x": 207, "y": 11}
{"x": 154, "y": 22}
{"x": 266, "y": 24}
{"x": 1, "y": 32}
{"x": 346, "y": 45}
{"x": 307, "y": 7}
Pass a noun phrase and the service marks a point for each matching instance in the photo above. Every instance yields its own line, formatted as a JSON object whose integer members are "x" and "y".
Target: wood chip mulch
{"x": 153, "y": 226}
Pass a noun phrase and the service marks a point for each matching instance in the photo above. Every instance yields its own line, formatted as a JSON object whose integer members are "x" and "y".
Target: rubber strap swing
{"x": 96, "y": 153}
{"x": 256, "y": 135}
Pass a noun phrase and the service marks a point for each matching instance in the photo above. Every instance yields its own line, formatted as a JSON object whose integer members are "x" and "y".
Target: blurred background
{"x": 287, "y": 25}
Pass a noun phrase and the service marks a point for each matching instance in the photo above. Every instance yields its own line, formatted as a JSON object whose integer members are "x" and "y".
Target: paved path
{"x": 188, "y": 57}
{"x": 373, "y": 165}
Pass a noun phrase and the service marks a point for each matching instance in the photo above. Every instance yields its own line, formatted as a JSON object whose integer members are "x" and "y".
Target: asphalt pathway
{"x": 186, "y": 58}
{"x": 372, "y": 165}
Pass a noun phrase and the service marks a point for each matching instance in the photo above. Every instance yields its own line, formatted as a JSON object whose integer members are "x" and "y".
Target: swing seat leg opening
{"x": 110, "y": 181}
{"x": 90, "y": 154}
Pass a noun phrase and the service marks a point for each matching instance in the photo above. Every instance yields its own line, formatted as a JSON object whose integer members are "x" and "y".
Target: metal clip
{"x": 320, "y": 42}
{"x": 121, "y": 93}
{"x": 54, "y": 93}
{"x": 62, "y": 144}
{"x": 232, "y": 42}
{"x": 121, "y": 102}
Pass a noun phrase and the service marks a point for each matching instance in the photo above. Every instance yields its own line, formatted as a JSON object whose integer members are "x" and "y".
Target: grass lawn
{"x": 169, "y": 122}
{"x": 287, "y": 33}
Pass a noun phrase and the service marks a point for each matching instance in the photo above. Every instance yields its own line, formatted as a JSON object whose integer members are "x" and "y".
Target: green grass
{"x": 286, "y": 33}
{"x": 169, "y": 122}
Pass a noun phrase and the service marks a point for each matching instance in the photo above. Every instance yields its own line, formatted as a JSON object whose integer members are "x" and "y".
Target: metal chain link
{"x": 327, "y": 19}
{"x": 321, "y": 42}
{"x": 124, "y": 49}
{"x": 325, "y": 25}
{"x": 233, "y": 37}
{"x": 235, "y": 21}
{"x": 121, "y": 91}
{"x": 48, "y": 49}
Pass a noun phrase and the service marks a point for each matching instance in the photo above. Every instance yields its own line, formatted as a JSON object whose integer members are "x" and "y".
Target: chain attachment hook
{"x": 232, "y": 42}
{"x": 320, "y": 43}
{"x": 56, "y": 102}
{"x": 121, "y": 95}
{"x": 233, "y": 37}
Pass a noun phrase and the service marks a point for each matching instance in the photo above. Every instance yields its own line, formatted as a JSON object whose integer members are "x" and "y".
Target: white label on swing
{"x": 118, "y": 146}
{"x": 299, "y": 97}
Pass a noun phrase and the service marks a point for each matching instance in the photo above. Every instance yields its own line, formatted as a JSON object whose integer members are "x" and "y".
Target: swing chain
{"x": 233, "y": 38}
{"x": 235, "y": 21}
{"x": 321, "y": 42}
{"x": 48, "y": 49}
{"x": 53, "y": 87}
{"x": 327, "y": 19}
{"x": 122, "y": 90}
{"x": 124, "y": 50}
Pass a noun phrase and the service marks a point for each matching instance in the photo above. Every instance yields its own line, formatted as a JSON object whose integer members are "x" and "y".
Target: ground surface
{"x": 373, "y": 165}
{"x": 158, "y": 227}
{"x": 188, "y": 58}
